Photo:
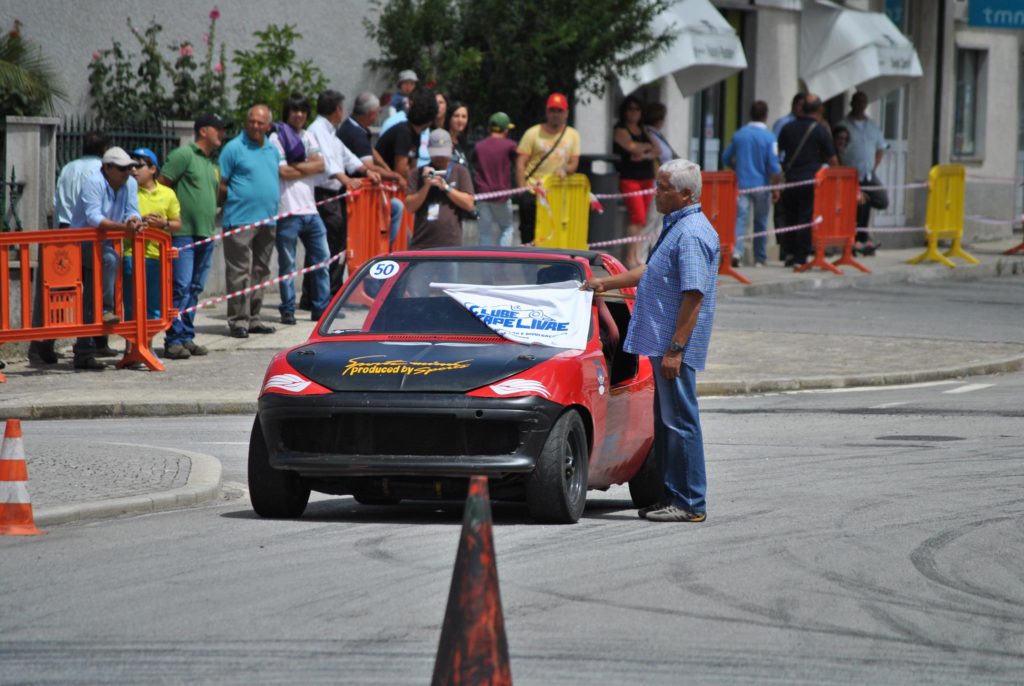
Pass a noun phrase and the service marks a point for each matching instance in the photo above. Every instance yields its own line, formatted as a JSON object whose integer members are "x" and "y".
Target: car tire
{"x": 274, "y": 493}
{"x": 376, "y": 500}
{"x": 648, "y": 485}
{"x": 556, "y": 490}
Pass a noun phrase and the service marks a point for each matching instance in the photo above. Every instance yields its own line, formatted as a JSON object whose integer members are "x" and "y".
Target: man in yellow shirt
{"x": 160, "y": 211}
{"x": 549, "y": 148}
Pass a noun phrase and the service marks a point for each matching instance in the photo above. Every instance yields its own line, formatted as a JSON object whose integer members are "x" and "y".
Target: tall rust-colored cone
{"x": 473, "y": 649}
{"x": 15, "y": 505}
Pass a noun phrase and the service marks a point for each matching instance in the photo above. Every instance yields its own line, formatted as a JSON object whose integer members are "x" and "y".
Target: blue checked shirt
{"x": 685, "y": 258}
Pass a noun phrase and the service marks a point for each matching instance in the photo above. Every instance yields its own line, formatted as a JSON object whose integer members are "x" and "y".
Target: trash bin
{"x": 610, "y": 224}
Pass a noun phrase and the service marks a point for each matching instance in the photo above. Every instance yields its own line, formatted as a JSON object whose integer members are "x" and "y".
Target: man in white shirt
{"x": 301, "y": 164}
{"x": 340, "y": 164}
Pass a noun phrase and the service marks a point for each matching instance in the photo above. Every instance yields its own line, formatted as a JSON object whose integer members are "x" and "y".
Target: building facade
{"x": 965, "y": 107}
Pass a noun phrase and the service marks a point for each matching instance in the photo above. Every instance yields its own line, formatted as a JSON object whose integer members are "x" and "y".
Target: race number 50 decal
{"x": 384, "y": 269}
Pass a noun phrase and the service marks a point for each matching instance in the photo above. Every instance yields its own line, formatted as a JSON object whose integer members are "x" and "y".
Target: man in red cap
{"x": 549, "y": 148}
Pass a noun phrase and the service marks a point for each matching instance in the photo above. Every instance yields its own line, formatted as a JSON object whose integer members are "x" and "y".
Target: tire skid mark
{"x": 805, "y": 628}
{"x": 902, "y": 626}
{"x": 866, "y": 591}
{"x": 924, "y": 560}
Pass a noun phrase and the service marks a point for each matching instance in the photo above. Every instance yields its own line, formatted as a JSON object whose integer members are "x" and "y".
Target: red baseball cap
{"x": 557, "y": 101}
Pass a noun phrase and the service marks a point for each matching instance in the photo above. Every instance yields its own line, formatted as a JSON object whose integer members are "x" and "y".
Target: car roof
{"x": 591, "y": 256}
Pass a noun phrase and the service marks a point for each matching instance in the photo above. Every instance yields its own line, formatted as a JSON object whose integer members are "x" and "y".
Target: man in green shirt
{"x": 191, "y": 171}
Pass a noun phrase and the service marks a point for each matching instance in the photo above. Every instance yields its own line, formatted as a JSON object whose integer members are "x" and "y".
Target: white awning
{"x": 842, "y": 48}
{"x": 705, "y": 51}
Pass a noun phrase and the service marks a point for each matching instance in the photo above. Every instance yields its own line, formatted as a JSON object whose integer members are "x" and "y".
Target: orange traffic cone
{"x": 15, "y": 505}
{"x": 473, "y": 648}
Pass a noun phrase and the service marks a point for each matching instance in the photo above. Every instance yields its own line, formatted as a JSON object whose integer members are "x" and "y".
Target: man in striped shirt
{"x": 671, "y": 324}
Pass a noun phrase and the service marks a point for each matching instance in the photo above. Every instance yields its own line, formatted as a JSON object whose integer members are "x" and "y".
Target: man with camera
{"x": 439, "y": 194}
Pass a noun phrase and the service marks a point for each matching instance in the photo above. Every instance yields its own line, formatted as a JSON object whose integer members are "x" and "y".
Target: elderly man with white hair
{"x": 671, "y": 324}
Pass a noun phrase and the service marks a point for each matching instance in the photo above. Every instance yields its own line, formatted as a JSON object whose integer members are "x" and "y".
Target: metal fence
{"x": 158, "y": 138}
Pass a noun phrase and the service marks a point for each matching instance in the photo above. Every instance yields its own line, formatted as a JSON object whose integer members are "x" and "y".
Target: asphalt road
{"x": 860, "y": 536}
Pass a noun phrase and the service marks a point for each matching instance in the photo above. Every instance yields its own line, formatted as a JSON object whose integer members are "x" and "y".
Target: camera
{"x": 434, "y": 174}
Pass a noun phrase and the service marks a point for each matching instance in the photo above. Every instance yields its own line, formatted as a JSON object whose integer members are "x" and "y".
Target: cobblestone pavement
{"x": 61, "y": 473}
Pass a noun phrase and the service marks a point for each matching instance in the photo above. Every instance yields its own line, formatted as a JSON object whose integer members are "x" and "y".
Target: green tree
{"x": 28, "y": 81}
{"x": 269, "y": 73}
{"x": 509, "y": 54}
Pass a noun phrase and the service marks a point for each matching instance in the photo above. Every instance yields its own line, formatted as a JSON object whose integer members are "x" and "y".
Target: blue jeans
{"x": 310, "y": 229}
{"x": 678, "y": 441}
{"x": 760, "y": 203}
{"x": 190, "y": 270}
{"x": 397, "y": 210}
{"x": 153, "y": 288}
{"x": 86, "y": 347}
{"x": 491, "y": 213}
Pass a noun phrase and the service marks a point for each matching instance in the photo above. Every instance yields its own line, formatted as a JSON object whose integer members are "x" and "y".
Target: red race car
{"x": 403, "y": 391}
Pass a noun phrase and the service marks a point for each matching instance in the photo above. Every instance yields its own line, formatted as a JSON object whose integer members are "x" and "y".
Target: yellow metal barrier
{"x": 567, "y": 223}
{"x": 944, "y": 219}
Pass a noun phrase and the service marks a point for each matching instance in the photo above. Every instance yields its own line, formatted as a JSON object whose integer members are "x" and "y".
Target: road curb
{"x": 203, "y": 485}
{"x": 712, "y": 388}
{"x": 920, "y": 274}
{"x": 101, "y": 410}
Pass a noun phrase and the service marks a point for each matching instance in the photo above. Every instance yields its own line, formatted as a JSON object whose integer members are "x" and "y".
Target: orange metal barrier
{"x": 718, "y": 199}
{"x": 835, "y": 204}
{"x": 369, "y": 212}
{"x": 63, "y": 290}
{"x": 406, "y": 229}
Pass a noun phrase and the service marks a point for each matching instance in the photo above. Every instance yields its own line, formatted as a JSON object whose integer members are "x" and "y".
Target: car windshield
{"x": 395, "y": 296}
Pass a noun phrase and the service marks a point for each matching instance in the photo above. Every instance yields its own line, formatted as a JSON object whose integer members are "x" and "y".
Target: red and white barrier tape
{"x": 263, "y": 222}
{"x": 652, "y": 236}
{"x": 265, "y": 284}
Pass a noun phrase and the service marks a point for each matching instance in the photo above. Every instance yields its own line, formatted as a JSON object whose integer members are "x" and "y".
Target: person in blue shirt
{"x": 249, "y": 178}
{"x": 69, "y": 183}
{"x": 753, "y": 153}
{"x": 108, "y": 199}
{"x": 671, "y": 324}
{"x": 795, "y": 109}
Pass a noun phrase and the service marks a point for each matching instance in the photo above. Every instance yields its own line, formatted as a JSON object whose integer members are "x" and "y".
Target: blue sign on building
{"x": 996, "y": 14}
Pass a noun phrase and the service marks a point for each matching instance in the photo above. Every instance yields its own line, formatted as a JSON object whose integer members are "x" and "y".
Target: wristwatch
{"x": 676, "y": 347}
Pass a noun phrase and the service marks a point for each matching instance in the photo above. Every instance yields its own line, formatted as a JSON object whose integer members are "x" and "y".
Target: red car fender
{"x": 281, "y": 378}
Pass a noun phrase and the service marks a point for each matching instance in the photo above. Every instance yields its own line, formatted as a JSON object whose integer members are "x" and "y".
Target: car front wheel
{"x": 556, "y": 490}
{"x": 274, "y": 493}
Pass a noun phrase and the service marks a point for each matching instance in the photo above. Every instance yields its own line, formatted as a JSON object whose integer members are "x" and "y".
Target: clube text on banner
{"x": 553, "y": 314}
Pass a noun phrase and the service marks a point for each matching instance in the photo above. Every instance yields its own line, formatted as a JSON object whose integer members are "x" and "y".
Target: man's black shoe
{"x": 239, "y": 332}
{"x": 42, "y": 351}
{"x": 288, "y": 318}
{"x": 90, "y": 364}
{"x": 107, "y": 352}
{"x": 262, "y": 328}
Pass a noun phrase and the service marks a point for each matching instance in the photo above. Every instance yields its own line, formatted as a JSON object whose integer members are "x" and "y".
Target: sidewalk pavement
{"x": 133, "y": 479}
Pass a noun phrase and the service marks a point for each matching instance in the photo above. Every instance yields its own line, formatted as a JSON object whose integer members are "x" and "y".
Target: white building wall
{"x": 71, "y": 30}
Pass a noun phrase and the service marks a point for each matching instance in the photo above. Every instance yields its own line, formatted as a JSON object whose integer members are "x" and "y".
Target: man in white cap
{"x": 108, "y": 199}
{"x": 399, "y": 103}
{"x": 438, "y": 195}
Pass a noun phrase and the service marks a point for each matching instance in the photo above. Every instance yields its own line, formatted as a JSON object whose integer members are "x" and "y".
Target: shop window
{"x": 969, "y": 109}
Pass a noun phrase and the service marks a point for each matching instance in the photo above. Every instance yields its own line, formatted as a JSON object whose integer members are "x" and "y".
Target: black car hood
{"x": 420, "y": 367}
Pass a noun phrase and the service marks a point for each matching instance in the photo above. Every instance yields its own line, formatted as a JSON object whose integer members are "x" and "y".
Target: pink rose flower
{"x": 186, "y": 50}
{"x": 218, "y": 67}
{"x": 214, "y": 14}
{"x": 96, "y": 56}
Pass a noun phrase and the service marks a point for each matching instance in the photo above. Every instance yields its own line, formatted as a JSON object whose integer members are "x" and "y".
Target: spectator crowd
{"x": 303, "y": 165}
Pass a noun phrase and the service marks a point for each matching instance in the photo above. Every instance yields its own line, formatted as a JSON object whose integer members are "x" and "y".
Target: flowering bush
{"x": 124, "y": 93}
